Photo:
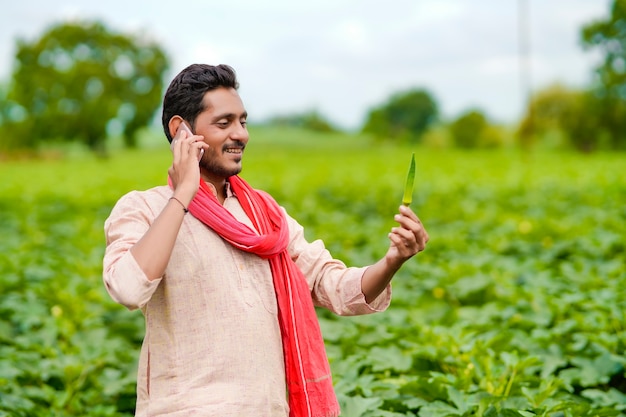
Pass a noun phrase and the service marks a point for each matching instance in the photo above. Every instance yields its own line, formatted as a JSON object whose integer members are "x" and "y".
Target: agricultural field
{"x": 516, "y": 308}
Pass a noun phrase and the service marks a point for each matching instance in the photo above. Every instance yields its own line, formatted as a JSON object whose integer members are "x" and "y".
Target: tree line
{"x": 585, "y": 119}
{"x": 83, "y": 82}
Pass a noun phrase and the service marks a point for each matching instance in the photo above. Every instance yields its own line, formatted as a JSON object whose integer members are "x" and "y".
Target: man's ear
{"x": 174, "y": 124}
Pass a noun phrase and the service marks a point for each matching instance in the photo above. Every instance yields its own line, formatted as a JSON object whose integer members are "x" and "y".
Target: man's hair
{"x": 184, "y": 96}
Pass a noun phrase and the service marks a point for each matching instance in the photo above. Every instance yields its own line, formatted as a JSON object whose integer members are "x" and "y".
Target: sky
{"x": 345, "y": 57}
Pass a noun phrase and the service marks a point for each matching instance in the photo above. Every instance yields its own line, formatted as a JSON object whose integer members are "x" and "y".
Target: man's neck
{"x": 218, "y": 188}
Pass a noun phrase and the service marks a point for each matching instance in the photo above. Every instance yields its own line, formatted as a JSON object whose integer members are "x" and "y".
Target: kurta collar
{"x": 228, "y": 190}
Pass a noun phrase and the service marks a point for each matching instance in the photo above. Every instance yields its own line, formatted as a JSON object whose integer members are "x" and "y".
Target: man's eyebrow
{"x": 230, "y": 116}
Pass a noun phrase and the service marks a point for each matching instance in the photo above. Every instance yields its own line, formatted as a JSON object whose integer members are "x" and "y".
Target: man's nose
{"x": 240, "y": 132}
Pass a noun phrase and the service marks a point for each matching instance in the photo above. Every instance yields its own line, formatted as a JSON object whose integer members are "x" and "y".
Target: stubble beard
{"x": 214, "y": 168}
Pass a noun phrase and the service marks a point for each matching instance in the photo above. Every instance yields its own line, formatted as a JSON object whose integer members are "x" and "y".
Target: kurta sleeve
{"x": 333, "y": 285}
{"x": 124, "y": 279}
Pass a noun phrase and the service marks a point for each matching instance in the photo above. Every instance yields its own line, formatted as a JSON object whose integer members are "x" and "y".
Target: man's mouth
{"x": 236, "y": 149}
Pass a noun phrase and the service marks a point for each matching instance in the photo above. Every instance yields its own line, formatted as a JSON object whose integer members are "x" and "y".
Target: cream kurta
{"x": 212, "y": 345}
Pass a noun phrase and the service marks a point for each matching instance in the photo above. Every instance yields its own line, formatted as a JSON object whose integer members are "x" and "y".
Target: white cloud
{"x": 349, "y": 34}
{"x": 204, "y": 51}
{"x": 505, "y": 64}
{"x": 434, "y": 12}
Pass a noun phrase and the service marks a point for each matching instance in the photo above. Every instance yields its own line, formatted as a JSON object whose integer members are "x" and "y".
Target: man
{"x": 228, "y": 290}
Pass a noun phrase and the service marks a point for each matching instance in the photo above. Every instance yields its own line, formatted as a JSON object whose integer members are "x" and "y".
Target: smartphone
{"x": 184, "y": 126}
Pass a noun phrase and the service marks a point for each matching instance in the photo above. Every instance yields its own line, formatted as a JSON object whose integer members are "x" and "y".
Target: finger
{"x": 181, "y": 135}
{"x": 193, "y": 148}
{"x": 178, "y": 139}
{"x": 416, "y": 235}
{"x": 409, "y": 223}
{"x": 397, "y": 240}
{"x": 201, "y": 148}
{"x": 198, "y": 147}
{"x": 406, "y": 248}
{"x": 173, "y": 143}
{"x": 421, "y": 237}
{"x": 402, "y": 242}
{"x": 176, "y": 150}
{"x": 406, "y": 211}
{"x": 184, "y": 146}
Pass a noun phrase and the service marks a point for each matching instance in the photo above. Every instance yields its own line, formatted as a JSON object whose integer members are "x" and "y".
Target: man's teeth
{"x": 233, "y": 150}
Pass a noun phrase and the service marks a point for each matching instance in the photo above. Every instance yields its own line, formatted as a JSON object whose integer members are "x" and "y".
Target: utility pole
{"x": 523, "y": 14}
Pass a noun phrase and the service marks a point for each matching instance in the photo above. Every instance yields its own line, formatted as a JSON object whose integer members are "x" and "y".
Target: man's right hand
{"x": 184, "y": 172}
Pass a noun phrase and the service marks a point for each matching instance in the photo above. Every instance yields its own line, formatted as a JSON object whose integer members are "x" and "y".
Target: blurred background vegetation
{"x": 517, "y": 308}
{"x": 82, "y": 83}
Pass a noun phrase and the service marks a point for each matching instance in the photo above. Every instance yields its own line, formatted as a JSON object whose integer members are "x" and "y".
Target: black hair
{"x": 184, "y": 96}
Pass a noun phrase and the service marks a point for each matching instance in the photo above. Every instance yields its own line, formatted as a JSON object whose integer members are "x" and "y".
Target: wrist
{"x": 182, "y": 205}
{"x": 184, "y": 195}
{"x": 393, "y": 263}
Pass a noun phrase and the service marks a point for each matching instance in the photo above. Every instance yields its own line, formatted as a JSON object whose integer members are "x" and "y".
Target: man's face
{"x": 223, "y": 125}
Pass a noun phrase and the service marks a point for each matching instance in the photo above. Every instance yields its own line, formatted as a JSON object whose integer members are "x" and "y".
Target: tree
{"x": 80, "y": 80}
{"x": 610, "y": 37}
{"x": 405, "y": 115}
{"x": 468, "y": 128}
{"x": 571, "y": 115}
{"x": 546, "y": 110}
{"x": 582, "y": 122}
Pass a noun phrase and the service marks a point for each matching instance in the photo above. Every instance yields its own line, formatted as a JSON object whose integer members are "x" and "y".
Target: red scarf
{"x": 308, "y": 375}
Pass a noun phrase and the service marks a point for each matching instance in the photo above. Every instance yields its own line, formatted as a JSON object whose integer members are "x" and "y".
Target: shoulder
{"x": 151, "y": 194}
{"x": 146, "y": 201}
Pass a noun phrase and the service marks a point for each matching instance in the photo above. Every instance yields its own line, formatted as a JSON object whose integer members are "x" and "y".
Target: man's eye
{"x": 244, "y": 123}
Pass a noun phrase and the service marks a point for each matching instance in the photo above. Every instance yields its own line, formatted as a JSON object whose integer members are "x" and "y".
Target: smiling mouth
{"x": 236, "y": 149}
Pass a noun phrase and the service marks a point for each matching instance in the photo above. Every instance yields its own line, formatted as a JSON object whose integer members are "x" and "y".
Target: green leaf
{"x": 458, "y": 399}
{"x": 390, "y": 357}
{"x": 438, "y": 409}
{"x": 407, "y": 198}
{"x": 357, "y": 406}
{"x": 610, "y": 398}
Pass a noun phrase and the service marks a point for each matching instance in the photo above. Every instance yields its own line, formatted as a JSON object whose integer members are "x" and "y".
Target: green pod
{"x": 410, "y": 179}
